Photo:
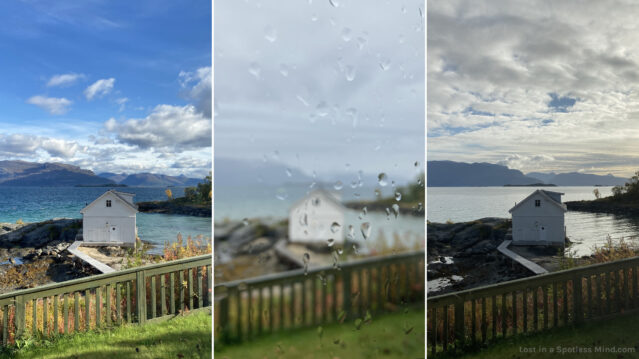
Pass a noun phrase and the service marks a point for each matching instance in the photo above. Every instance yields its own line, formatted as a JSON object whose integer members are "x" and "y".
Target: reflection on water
{"x": 460, "y": 204}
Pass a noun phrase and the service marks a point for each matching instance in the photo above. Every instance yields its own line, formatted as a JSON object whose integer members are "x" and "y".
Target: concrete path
{"x": 533, "y": 267}
{"x": 74, "y": 249}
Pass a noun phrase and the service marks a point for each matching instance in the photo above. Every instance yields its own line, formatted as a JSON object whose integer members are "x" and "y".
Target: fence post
{"x": 140, "y": 303}
{"x": 577, "y": 294}
{"x": 347, "y": 293}
{"x": 224, "y": 318}
{"x": 459, "y": 323}
{"x": 20, "y": 316}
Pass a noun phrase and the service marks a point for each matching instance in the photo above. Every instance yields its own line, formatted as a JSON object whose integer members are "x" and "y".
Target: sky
{"x": 117, "y": 86}
{"x": 537, "y": 86}
{"x": 328, "y": 87}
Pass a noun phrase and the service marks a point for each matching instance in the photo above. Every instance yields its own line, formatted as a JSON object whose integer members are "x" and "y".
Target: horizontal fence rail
{"x": 482, "y": 315}
{"x": 295, "y": 299}
{"x": 135, "y": 295}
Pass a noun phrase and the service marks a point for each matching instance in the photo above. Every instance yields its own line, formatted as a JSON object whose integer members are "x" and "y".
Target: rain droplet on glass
{"x": 385, "y": 63}
{"x": 346, "y": 34}
{"x": 395, "y": 207}
{"x": 284, "y": 70}
{"x": 289, "y": 173}
{"x": 350, "y": 73}
{"x": 338, "y": 185}
{"x": 335, "y": 227}
{"x": 270, "y": 33}
{"x": 330, "y": 242}
{"x": 322, "y": 109}
{"x": 335, "y": 3}
{"x": 366, "y": 229}
{"x": 382, "y": 179}
{"x": 255, "y": 70}
{"x": 398, "y": 196}
{"x": 245, "y": 221}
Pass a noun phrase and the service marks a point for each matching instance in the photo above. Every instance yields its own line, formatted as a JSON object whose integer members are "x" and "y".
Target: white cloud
{"x": 198, "y": 88}
{"x": 64, "y": 79}
{"x": 26, "y": 146}
{"x": 122, "y": 102}
{"x": 492, "y": 69}
{"x": 53, "y": 105}
{"x": 176, "y": 127}
{"x": 99, "y": 88}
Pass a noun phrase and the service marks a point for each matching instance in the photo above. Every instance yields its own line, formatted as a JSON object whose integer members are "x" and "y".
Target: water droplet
{"x": 355, "y": 249}
{"x": 289, "y": 173}
{"x": 335, "y": 227}
{"x": 378, "y": 193}
{"x": 270, "y": 33}
{"x": 416, "y": 163}
{"x": 420, "y": 207}
{"x": 395, "y": 207}
{"x": 366, "y": 229}
{"x": 382, "y": 179}
{"x": 351, "y": 232}
{"x": 255, "y": 70}
{"x": 304, "y": 220}
{"x": 365, "y": 210}
{"x": 314, "y": 17}
{"x": 245, "y": 221}
{"x": 385, "y": 63}
{"x": 401, "y": 39}
{"x": 322, "y": 109}
{"x": 358, "y": 323}
{"x": 306, "y": 259}
{"x": 346, "y": 34}
{"x": 302, "y": 100}
{"x": 350, "y": 73}
{"x": 330, "y": 242}
{"x": 281, "y": 195}
{"x": 361, "y": 42}
{"x": 335, "y": 3}
{"x": 387, "y": 212}
{"x": 315, "y": 202}
{"x": 340, "y": 251}
{"x": 398, "y": 196}
{"x": 284, "y": 70}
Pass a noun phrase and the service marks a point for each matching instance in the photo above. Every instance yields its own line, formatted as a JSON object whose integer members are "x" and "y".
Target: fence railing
{"x": 295, "y": 299}
{"x": 483, "y": 315}
{"x": 134, "y": 295}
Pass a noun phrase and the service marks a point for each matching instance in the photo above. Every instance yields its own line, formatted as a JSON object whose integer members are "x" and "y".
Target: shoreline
{"x": 175, "y": 207}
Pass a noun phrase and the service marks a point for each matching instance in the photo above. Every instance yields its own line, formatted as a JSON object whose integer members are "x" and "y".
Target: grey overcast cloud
{"x": 321, "y": 84}
{"x": 538, "y": 85}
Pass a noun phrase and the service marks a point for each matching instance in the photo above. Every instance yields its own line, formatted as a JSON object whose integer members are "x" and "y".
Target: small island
{"x": 531, "y": 185}
{"x": 196, "y": 201}
{"x": 102, "y": 185}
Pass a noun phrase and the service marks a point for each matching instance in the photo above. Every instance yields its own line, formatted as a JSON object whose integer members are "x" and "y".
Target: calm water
{"x": 460, "y": 204}
{"x": 236, "y": 203}
{"x": 35, "y": 204}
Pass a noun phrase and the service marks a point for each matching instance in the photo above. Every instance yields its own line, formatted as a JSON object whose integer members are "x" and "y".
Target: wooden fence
{"x": 483, "y": 315}
{"x": 107, "y": 299}
{"x": 295, "y": 299}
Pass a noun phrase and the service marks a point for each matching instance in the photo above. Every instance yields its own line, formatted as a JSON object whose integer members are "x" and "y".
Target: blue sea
{"x": 36, "y": 204}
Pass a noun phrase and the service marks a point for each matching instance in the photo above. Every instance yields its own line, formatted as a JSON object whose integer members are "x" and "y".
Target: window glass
{"x": 319, "y": 152}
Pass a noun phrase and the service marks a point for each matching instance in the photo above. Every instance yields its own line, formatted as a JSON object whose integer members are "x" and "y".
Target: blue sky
{"x": 107, "y": 85}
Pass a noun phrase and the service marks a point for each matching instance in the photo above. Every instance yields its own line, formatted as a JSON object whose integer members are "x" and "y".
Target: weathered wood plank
{"x": 153, "y": 298}
{"x": 172, "y": 293}
{"x": 87, "y": 310}
{"x": 65, "y": 312}
{"x": 76, "y": 312}
{"x": 56, "y": 298}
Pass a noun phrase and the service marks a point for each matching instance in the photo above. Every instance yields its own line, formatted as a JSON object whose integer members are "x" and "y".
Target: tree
{"x": 596, "y": 193}
{"x": 169, "y": 194}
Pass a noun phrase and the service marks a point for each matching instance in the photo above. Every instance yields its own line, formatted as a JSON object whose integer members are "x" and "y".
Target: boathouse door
{"x": 542, "y": 234}
{"x": 114, "y": 234}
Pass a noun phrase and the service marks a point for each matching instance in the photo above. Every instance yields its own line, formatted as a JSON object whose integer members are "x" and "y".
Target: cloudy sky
{"x": 537, "y": 86}
{"x": 326, "y": 86}
{"x": 107, "y": 85}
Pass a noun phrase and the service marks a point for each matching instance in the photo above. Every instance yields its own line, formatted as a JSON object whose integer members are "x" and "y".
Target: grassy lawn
{"x": 398, "y": 335}
{"x": 618, "y": 333}
{"x": 179, "y": 337}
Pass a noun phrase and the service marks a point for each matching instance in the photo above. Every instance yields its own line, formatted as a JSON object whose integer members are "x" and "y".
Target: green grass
{"x": 386, "y": 336}
{"x": 617, "y": 333}
{"x": 179, "y": 337}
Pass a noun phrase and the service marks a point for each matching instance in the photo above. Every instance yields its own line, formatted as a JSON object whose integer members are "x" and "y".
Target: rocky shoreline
{"x": 175, "y": 207}
{"x": 605, "y": 205}
{"x": 464, "y": 255}
{"x": 34, "y": 254}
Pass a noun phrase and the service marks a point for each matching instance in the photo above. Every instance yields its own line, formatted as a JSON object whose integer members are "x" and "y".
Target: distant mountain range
{"x": 460, "y": 174}
{"x": 22, "y": 173}
{"x": 150, "y": 179}
{"x": 242, "y": 172}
